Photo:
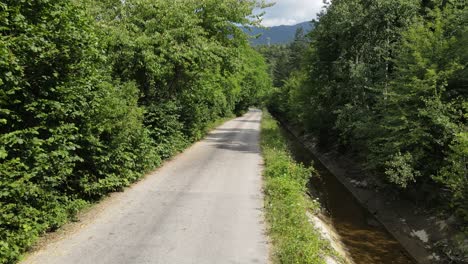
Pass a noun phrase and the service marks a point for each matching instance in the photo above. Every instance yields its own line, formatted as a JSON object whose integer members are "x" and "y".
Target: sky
{"x": 291, "y": 12}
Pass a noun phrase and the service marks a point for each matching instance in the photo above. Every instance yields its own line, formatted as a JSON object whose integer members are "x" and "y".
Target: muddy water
{"x": 365, "y": 239}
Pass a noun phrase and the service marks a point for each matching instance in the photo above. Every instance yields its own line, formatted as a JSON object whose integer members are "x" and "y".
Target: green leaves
{"x": 400, "y": 170}
{"x": 454, "y": 173}
{"x": 387, "y": 81}
{"x": 61, "y": 115}
{"x": 95, "y": 93}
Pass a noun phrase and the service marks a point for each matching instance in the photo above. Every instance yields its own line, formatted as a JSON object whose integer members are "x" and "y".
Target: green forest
{"x": 96, "y": 93}
{"x": 385, "y": 81}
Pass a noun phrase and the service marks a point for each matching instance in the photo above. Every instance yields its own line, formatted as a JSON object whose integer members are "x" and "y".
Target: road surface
{"x": 204, "y": 206}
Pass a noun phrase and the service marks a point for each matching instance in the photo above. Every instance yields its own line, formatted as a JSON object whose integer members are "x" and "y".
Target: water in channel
{"x": 365, "y": 239}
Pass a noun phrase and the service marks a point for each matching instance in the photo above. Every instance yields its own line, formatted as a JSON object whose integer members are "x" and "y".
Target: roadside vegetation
{"x": 293, "y": 236}
{"x": 386, "y": 82}
{"x": 96, "y": 93}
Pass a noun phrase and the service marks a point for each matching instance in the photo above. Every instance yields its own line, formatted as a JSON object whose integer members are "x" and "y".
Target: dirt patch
{"x": 328, "y": 233}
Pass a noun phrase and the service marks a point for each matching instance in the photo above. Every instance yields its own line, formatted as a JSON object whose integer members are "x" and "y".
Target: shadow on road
{"x": 235, "y": 139}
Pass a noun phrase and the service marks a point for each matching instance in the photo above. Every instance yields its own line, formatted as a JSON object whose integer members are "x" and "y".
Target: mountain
{"x": 277, "y": 34}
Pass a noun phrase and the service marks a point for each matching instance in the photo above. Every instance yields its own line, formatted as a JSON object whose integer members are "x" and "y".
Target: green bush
{"x": 385, "y": 81}
{"x": 69, "y": 134}
{"x": 96, "y": 93}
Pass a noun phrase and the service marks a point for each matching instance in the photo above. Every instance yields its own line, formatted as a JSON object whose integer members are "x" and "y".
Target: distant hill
{"x": 277, "y": 35}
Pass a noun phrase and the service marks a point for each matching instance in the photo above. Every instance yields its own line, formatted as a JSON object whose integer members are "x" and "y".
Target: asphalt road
{"x": 204, "y": 206}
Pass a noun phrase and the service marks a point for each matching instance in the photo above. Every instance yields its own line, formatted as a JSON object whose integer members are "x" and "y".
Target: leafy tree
{"x": 67, "y": 130}
{"x": 387, "y": 81}
{"x": 95, "y": 93}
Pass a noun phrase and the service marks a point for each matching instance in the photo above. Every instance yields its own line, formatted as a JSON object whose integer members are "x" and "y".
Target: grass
{"x": 294, "y": 238}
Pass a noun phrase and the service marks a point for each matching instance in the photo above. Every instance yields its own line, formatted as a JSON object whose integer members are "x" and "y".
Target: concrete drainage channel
{"x": 357, "y": 234}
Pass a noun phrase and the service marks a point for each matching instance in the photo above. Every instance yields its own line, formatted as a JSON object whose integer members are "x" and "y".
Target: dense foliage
{"x": 95, "y": 93}
{"x": 387, "y": 81}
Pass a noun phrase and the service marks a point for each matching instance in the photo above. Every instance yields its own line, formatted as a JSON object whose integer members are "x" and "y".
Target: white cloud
{"x": 290, "y": 12}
